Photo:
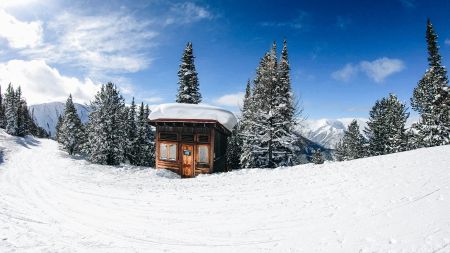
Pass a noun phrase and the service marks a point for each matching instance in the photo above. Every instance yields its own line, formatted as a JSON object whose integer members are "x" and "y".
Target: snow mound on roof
{"x": 194, "y": 111}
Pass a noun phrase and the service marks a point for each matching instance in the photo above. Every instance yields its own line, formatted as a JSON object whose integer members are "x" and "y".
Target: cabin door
{"x": 188, "y": 160}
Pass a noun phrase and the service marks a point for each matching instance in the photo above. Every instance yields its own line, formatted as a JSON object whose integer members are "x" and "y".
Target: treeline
{"x": 386, "y": 132}
{"x": 15, "y": 117}
{"x": 114, "y": 134}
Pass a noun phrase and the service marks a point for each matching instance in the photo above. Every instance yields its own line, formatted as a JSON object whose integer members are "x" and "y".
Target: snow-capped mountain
{"x": 46, "y": 115}
{"x": 328, "y": 132}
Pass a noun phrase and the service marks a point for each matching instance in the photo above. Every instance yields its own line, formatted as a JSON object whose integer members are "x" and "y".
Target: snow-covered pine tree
{"x": 58, "y": 128}
{"x": 317, "y": 157}
{"x": 247, "y": 159}
{"x": 11, "y": 111}
{"x": 131, "y": 150}
{"x": 71, "y": 132}
{"x": 431, "y": 98}
{"x": 2, "y": 110}
{"x": 268, "y": 122}
{"x": 352, "y": 145}
{"x": 188, "y": 90}
{"x": 234, "y": 149}
{"x": 106, "y": 128}
{"x": 284, "y": 137}
{"x": 24, "y": 122}
{"x": 386, "y": 127}
{"x": 257, "y": 146}
{"x": 145, "y": 143}
{"x": 235, "y": 141}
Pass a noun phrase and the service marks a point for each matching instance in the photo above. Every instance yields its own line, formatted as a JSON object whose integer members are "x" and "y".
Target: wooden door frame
{"x": 192, "y": 157}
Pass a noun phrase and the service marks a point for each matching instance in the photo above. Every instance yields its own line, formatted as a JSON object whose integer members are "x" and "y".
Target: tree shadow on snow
{"x": 27, "y": 142}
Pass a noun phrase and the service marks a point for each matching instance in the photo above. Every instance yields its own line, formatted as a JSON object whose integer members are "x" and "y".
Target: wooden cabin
{"x": 191, "y": 139}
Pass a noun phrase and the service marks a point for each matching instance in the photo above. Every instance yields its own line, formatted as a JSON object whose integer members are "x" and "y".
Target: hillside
{"x": 46, "y": 115}
{"x": 50, "y": 202}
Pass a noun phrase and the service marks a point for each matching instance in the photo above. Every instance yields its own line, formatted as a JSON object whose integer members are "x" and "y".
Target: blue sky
{"x": 344, "y": 54}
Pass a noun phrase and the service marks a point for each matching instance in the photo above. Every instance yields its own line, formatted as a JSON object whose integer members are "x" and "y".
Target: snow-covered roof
{"x": 178, "y": 111}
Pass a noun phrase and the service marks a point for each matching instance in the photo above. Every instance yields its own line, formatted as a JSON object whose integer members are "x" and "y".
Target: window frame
{"x": 168, "y": 151}
{"x": 208, "y": 155}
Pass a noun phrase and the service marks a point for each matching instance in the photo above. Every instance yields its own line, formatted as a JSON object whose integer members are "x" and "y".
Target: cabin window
{"x": 168, "y": 151}
{"x": 203, "y": 154}
{"x": 168, "y": 136}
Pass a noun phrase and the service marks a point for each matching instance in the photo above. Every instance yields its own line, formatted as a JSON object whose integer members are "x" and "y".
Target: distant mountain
{"x": 327, "y": 132}
{"x": 46, "y": 115}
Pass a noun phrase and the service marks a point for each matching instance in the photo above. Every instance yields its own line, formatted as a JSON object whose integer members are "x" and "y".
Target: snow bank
{"x": 180, "y": 111}
{"x": 50, "y": 202}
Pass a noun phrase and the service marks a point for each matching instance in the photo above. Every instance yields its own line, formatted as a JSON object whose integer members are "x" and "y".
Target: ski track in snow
{"x": 50, "y": 202}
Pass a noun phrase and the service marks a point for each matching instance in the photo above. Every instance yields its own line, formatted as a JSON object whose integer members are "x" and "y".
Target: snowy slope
{"x": 50, "y": 202}
{"x": 46, "y": 115}
{"x": 327, "y": 132}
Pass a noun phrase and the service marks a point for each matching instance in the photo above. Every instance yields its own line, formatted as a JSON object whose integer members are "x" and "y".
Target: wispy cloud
{"x": 106, "y": 44}
{"x": 20, "y": 34}
{"x": 346, "y": 73}
{"x": 185, "y": 13}
{"x": 234, "y": 99}
{"x": 408, "y": 3}
{"x": 447, "y": 42}
{"x": 42, "y": 83}
{"x": 299, "y": 22}
{"x": 377, "y": 70}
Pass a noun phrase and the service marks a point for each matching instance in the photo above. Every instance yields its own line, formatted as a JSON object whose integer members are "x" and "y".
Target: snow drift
{"x": 50, "y": 202}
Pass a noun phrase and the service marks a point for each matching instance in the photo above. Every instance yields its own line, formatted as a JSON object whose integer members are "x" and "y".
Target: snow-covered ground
{"x": 50, "y": 202}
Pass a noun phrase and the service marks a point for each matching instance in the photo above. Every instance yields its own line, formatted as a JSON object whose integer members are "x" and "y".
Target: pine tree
{"x": 258, "y": 133}
{"x": 352, "y": 145}
{"x": 71, "y": 132}
{"x": 268, "y": 119}
{"x": 284, "y": 138}
{"x": 2, "y": 110}
{"x": 58, "y": 128}
{"x": 11, "y": 111}
{"x": 106, "y": 127}
{"x": 431, "y": 98}
{"x": 188, "y": 91}
{"x": 145, "y": 143}
{"x": 386, "y": 127}
{"x": 234, "y": 149}
{"x": 132, "y": 146}
{"x": 317, "y": 157}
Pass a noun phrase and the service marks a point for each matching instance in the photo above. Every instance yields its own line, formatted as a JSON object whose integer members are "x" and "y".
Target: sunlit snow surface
{"x": 50, "y": 202}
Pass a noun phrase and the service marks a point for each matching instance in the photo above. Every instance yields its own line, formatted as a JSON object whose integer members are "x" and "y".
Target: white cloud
{"x": 5, "y": 4}
{"x": 41, "y": 83}
{"x": 381, "y": 68}
{"x": 98, "y": 44}
{"x": 234, "y": 99}
{"x": 20, "y": 34}
{"x": 447, "y": 42}
{"x": 185, "y": 13}
{"x": 377, "y": 70}
{"x": 346, "y": 73}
